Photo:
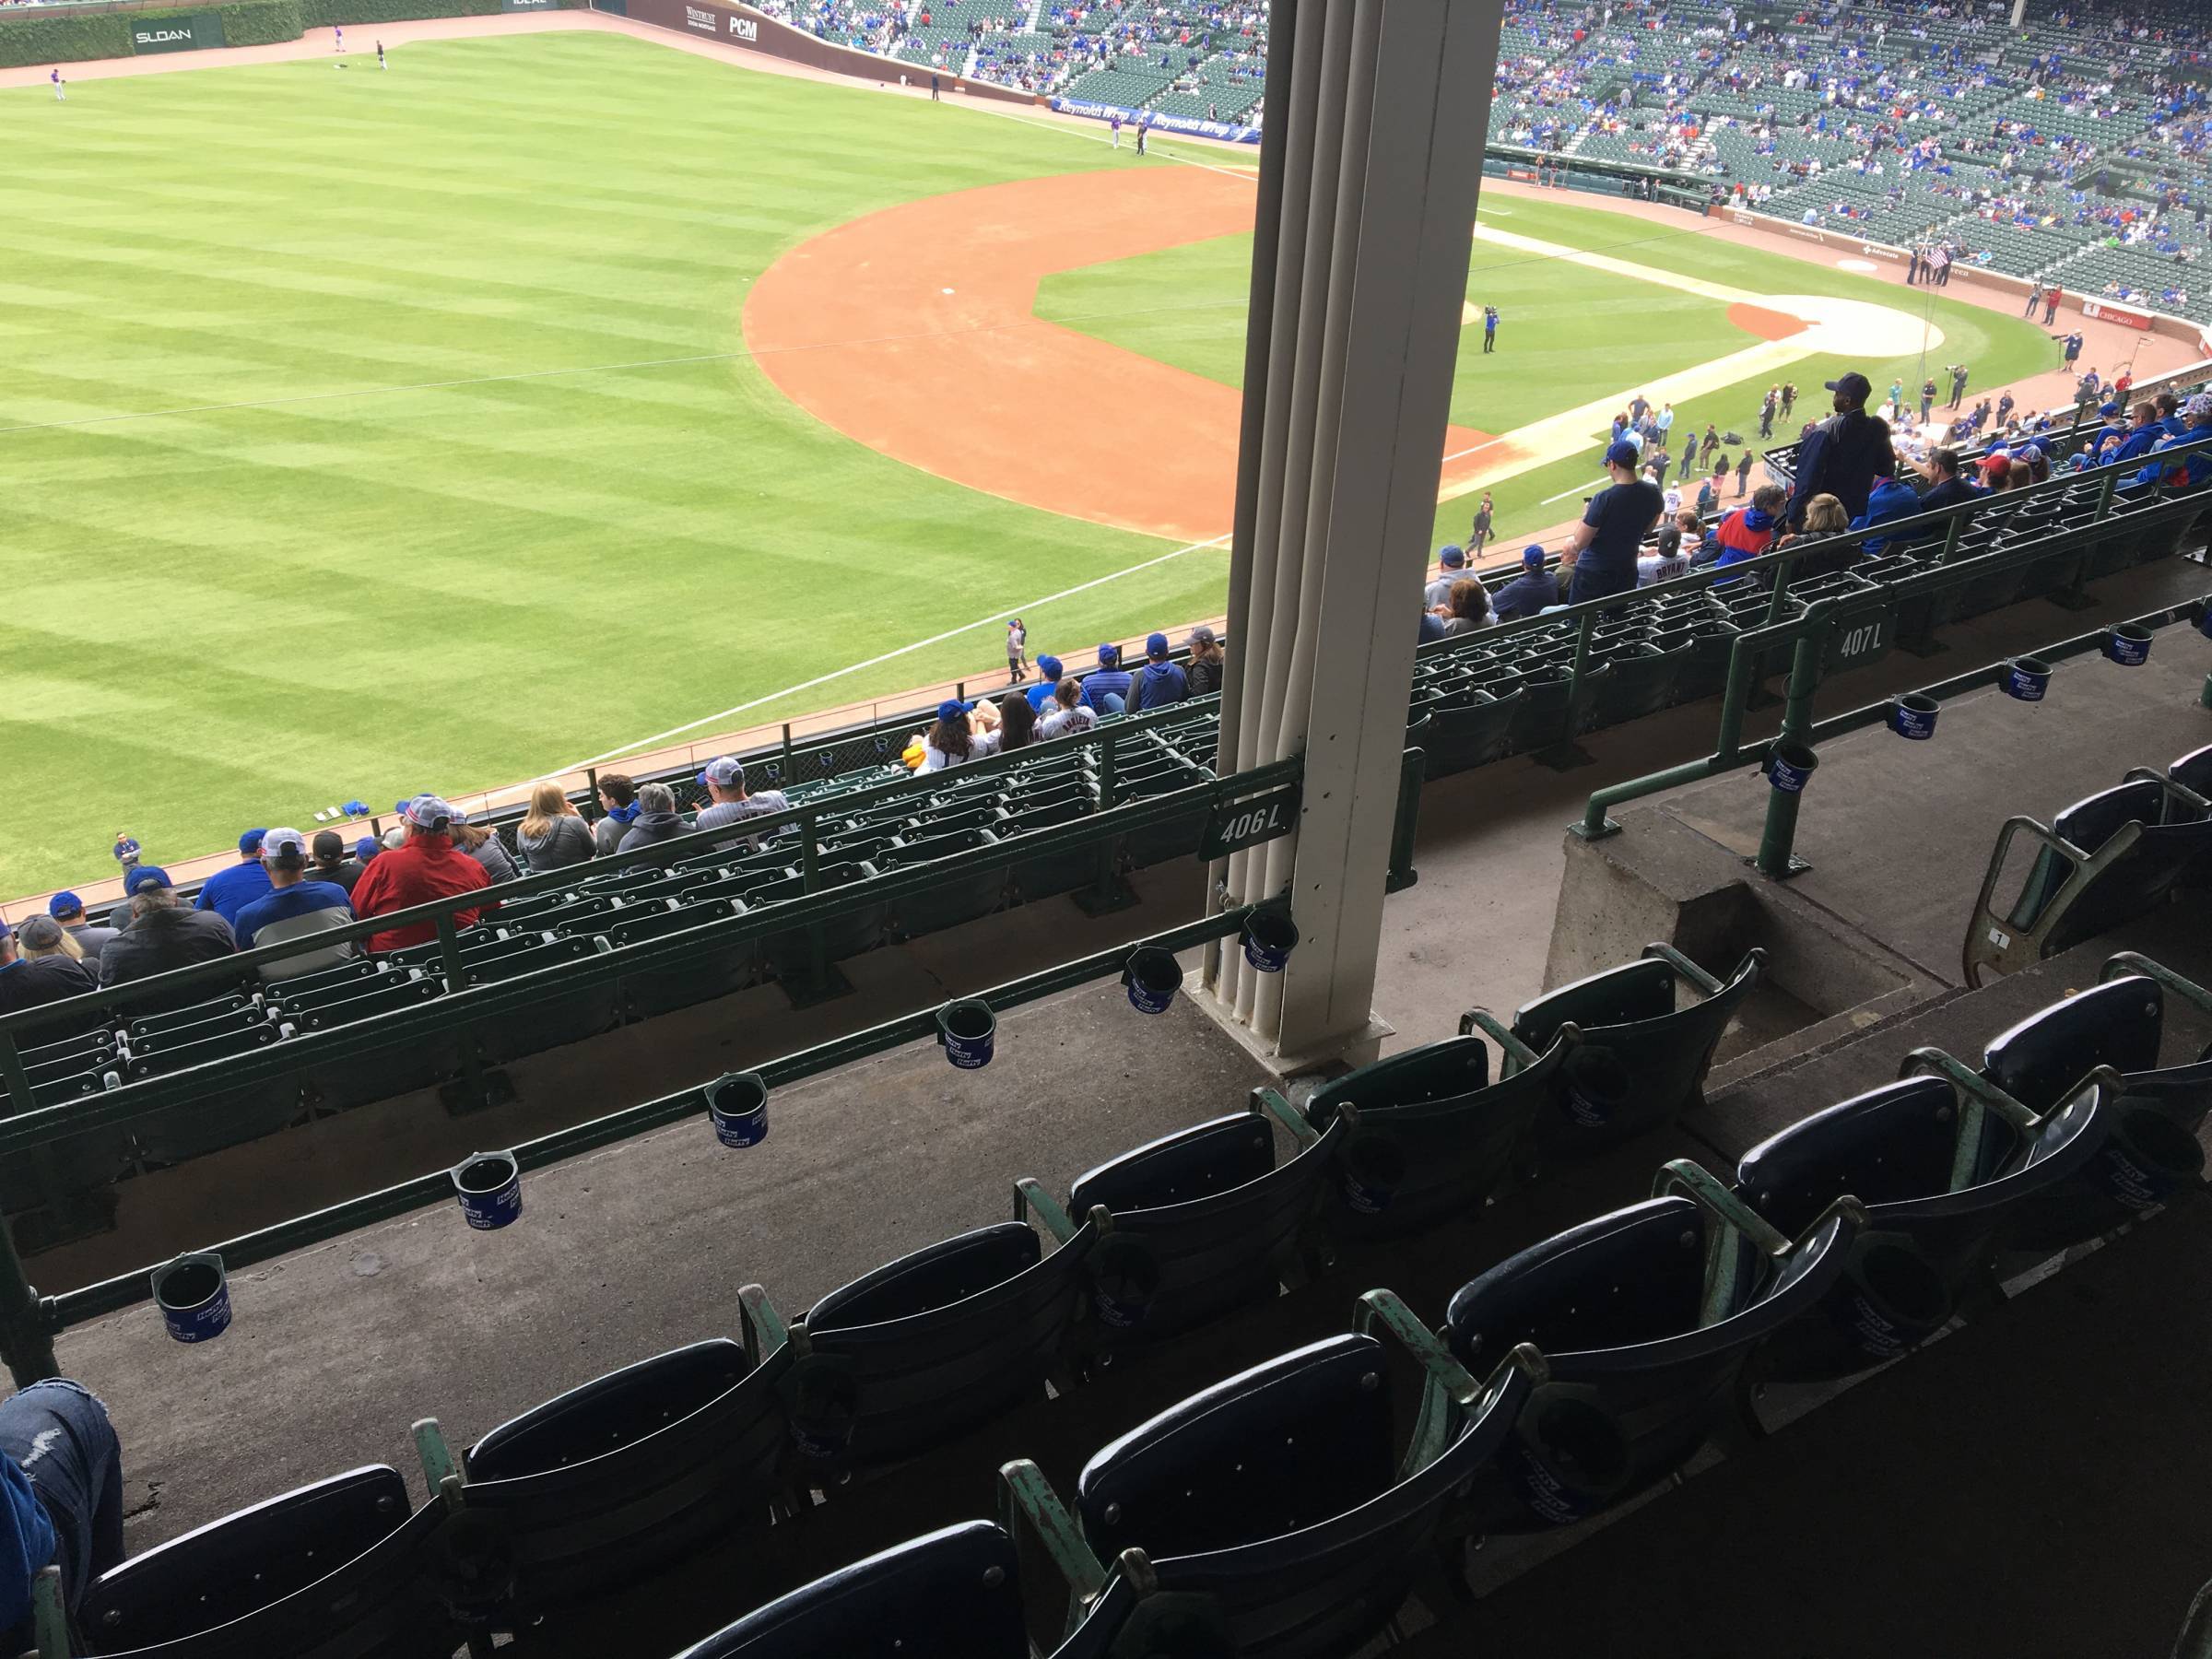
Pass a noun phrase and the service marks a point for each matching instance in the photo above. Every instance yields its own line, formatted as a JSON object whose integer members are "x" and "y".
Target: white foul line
{"x": 1571, "y": 489}
{"x": 888, "y": 656}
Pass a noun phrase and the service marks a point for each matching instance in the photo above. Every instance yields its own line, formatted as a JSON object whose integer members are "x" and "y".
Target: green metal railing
{"x": 28, "y": 1323}
{"x": 468, "y": 1004}
{"x": 1811, "y": 632}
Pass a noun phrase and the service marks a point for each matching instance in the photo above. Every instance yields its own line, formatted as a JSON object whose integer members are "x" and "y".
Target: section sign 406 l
{"x": 1250, "y": 821}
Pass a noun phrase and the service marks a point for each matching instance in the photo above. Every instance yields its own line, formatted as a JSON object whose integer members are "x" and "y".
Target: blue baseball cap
{"x": 952, "y": 708}
{"x": 1623, "y": 453}
{"x": 1451, "y": 558}
{"x": 1109, "y": 653}
{"x": 728, "y": 771}
{"x": 367, "y": 848}
{"x": 5, "y": 930}
{"x": 1532, "y": 554}
{"x": 250, "y": 840}
{"x": 1049, "y": 666}
{"x": 144, "y": 876}
{"x": 1155, "y": 645}
{"x": 64, "y": 904}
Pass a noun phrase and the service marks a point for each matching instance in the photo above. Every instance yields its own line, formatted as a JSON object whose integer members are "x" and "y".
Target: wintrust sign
{"x": 704, "y": 21}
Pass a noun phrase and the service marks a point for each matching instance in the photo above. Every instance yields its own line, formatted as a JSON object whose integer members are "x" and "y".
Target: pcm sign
{"x": 745, "y": 29}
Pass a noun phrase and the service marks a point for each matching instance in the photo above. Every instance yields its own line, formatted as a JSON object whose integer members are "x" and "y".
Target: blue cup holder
{"x": 491, "y": 1189}
{"x": 737, "y": 1107}
{"x": 1153, "y": 977}
{"x": 194, "y": 1294}
{"x": 2128, "y": 644}
{"x": 968, "y": 1032}
{"x": 1912, "y": 716}
{"x": 1269, "y": 939}
{"x": 1790, "y": 766}
{"x": 2027, "y": 678}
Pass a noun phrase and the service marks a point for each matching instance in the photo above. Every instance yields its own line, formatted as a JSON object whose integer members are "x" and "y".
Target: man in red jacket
{"x": 426, "y": 867}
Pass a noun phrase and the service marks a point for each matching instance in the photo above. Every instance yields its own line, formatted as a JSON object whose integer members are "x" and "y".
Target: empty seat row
{"x": 2102, "y": 862}
{"x": 1289, "y": 1509}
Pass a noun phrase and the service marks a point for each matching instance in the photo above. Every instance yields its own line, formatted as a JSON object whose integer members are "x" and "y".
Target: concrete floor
{"x": 1492, "y": 849}
{"x": 641, "y": 1247}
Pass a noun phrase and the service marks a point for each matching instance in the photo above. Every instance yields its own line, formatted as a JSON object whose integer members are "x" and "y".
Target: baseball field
{"x": 368, "y": 432}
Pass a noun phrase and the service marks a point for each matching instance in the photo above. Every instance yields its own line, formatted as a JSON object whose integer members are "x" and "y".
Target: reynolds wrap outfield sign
{"x": 1226, "y": 130}
{"x": 196, "y": 32}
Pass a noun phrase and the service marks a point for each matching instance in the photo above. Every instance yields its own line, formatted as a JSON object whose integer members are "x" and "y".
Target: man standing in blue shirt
{"x": 1489, "y": 329}
{"x": 228, "y": 892}
{"x": 1611, "y": 534}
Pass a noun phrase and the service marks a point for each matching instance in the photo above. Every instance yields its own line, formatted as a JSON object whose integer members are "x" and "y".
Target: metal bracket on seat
{"x": 1663, "y": 952}
{"x": 2129, "y": 961}
{"x": 1030, "y": 1195}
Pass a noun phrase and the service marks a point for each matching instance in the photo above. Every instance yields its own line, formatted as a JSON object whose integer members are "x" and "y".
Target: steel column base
{"x": 813, "y": 990}
{"x": 1581, "y": 829}
{"x": 463, "y": 1095}
{"x": 1104, "y": 901}
{"x": 1563, "y": 756}
{"x": 1797, "y": 867}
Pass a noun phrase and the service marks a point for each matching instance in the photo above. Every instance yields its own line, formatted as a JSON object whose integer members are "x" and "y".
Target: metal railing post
{"x": 1776, "y": 860}
{"x": 25, "y": 1342}
{"x": 13, "y": 1075}
{"x": 1412, "y": 772}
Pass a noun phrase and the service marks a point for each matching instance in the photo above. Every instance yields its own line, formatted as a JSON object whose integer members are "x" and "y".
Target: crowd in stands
{"x": 2080, "y": 140}
{"x": 286, "y": 886}
{"x": 1857, "y": 468}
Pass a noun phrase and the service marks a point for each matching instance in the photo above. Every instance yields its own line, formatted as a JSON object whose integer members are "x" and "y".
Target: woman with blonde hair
{"x": 552, "y": 835}
{"x": 1826, "y": 518}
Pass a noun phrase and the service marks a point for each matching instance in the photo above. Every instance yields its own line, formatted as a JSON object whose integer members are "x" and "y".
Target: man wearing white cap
{"x": 295, "y": 908}
{"x": 426, "y": 867}
{"x": 732, "y": 803}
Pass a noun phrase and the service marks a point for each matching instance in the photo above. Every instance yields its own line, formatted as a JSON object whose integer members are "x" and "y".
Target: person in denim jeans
{"x": 61, "y": 1497}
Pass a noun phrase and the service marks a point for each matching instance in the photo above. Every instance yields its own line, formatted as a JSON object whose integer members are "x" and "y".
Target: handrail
{"x": 30, "y": 1127}
{"x": 1797, "y": 725}
{"x": 25, "y": 1338}
{"x": 806, "y": 817}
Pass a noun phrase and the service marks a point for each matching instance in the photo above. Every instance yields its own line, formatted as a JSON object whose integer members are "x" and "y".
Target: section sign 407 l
{"x": 1250, "y": 821}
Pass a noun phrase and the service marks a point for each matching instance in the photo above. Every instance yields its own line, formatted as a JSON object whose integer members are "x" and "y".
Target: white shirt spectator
{"x": 1067, "y": 723}
{"x": 979, "y": 744}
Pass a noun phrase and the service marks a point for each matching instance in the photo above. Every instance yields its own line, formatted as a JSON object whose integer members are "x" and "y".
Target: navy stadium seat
{"x": 1639, "y": 1062}
{"x": 1646, "y": 1318}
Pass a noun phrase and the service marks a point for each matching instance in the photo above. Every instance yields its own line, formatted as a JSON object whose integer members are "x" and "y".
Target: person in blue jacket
{"x": 1891, "y": 498}
{"x": 2189, "y": 471}
{"x": 61, "y": 1497}
{"x": 1160, "y": 684}
{"x": 1048, "y": 681}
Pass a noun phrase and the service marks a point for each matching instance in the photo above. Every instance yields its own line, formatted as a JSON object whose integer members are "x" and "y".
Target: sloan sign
{"x": 194, "y": 33}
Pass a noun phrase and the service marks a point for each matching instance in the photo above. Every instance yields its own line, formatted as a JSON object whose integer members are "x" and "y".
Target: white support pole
{"x": 1376, "y": 115}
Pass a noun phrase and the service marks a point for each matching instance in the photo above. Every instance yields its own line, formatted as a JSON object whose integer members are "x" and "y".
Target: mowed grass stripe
{"x": 406, "y": 589}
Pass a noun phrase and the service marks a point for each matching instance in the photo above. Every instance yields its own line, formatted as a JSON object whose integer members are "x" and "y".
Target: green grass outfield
{"x": 364, "y": 433}
{"x": 1568, "y": 335}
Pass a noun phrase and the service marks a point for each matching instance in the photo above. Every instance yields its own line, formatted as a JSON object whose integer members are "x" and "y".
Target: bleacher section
{"x": 867, "y": 855}
{"x": 1511, "y": 1389}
